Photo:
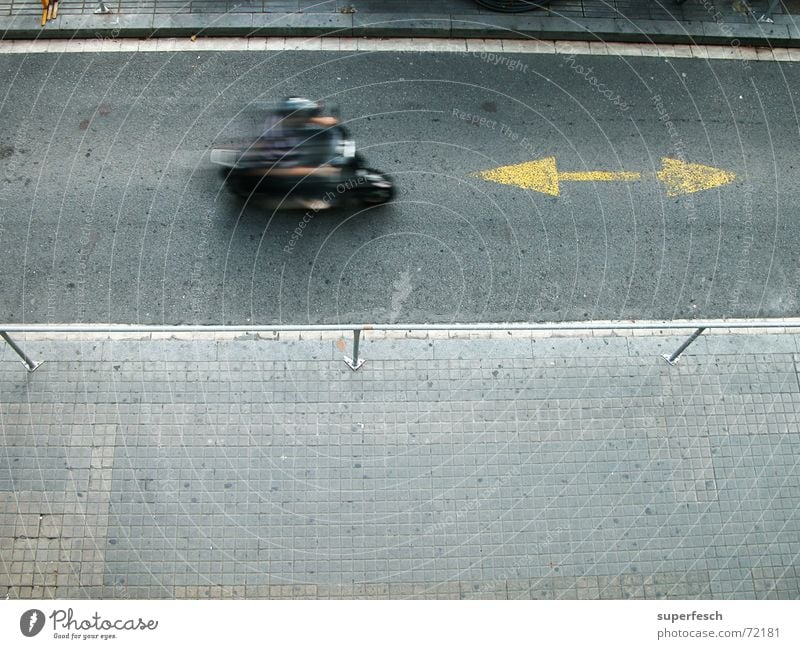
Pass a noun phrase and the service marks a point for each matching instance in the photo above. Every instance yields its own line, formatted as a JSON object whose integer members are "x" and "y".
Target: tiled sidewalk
{"x": 710, "y": 22}
{"x": 633, "y": 9}
{"x": 490, "y": 468}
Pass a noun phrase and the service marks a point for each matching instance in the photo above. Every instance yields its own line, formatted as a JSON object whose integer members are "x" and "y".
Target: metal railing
{"x": 355, "y": 362}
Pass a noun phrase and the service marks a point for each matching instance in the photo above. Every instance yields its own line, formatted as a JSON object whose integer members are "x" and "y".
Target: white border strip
{"x": 96, "y": 331}
{"x": 476, "y": 47}
{"x": 736, "y": 323}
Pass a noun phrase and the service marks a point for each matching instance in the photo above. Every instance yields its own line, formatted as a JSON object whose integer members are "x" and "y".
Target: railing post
{"x": 672, "y": 359}
{"x": 354, "y": 363}
{"x": 29, "y": 364}
{"x": 102, "y": 8}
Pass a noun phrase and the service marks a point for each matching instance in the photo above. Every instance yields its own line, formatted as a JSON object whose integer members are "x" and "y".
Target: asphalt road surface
{"x": 111, "y": 212}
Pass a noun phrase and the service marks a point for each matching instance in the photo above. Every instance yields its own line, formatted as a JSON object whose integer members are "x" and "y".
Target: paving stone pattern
{"x": 578, "y": 468}
{"x": 707, "y": 10}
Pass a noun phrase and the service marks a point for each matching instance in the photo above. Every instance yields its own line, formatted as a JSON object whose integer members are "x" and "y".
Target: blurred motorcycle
{"x": 303, "y": 158}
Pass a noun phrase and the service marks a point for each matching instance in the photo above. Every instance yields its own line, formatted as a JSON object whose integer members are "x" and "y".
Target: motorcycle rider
{"x": 296, "y": 134}
{"x": 295, "y": 146}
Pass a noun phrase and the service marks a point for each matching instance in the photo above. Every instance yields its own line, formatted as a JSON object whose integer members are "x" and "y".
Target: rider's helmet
{"x": 300, "y": 107}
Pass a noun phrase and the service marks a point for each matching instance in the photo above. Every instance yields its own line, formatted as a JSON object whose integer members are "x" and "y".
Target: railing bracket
{"x": 354, "y": 363}
{"x": 672, "y": 359}
{"x": 28, "y": 362}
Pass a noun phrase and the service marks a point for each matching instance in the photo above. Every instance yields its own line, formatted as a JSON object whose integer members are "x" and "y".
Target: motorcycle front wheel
{"x": 378, "y": 188}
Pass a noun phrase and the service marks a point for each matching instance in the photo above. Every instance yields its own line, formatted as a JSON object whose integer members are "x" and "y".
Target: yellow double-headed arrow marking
{"x": 677, "y": 176}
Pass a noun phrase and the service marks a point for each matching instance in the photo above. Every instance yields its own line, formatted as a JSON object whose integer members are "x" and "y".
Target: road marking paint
{"x": 598, "y": 175}
{"x": 543, "y": 176}
{"x": 538, "y": 175}
{"x": 680, "y": 177}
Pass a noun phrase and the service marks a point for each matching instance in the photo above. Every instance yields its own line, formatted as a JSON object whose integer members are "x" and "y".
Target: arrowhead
{"x": 539, "y": 175}
{"x": 686, "y": 178}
